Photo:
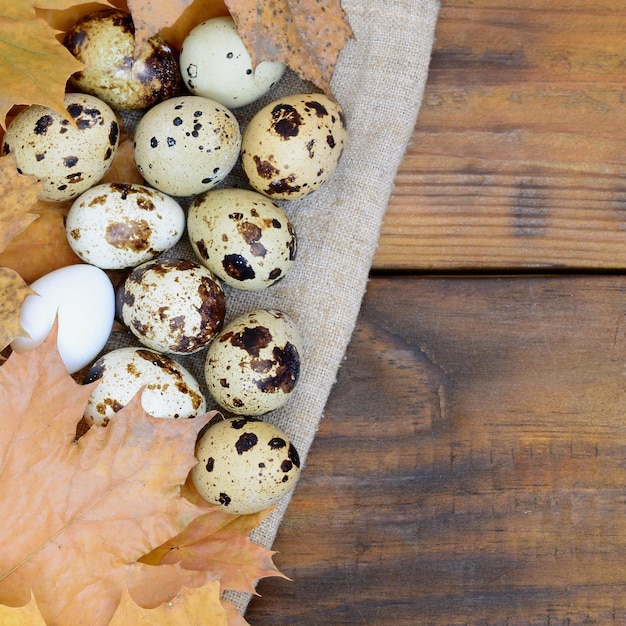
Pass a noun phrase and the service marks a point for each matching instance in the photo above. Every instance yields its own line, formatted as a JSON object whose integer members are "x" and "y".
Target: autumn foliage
{"x": 105, "y": 524}
{"x": 105, "y": 516}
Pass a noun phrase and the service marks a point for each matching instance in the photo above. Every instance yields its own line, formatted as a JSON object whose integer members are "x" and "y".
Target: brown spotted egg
{"x": 244, "y": 465}
{"x": 171, "y": 305}
{"x": 69, "y": 156}
{"x": 243, "y": 237}
{"x": 121, "y": 225}
{"x": 105, "y": 42}
{"x": 253, "y": 365}
{"x": 169, "y": 389}
{"x": 292, "y": 146}
{"x": 186, "y": 145}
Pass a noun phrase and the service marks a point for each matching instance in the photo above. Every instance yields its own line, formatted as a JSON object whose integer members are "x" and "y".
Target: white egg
{"x": 83, "y": 297}
{"x": 215, "y": 63}
{"x": 116, "y": 226}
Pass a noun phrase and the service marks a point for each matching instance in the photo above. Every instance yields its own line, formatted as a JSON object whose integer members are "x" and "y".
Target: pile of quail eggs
{"x": 185, "y": 143}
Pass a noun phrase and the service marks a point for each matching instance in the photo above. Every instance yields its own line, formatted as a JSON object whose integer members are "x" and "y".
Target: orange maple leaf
{"x": 191, "y": 607}
{"x": 306, "y": 35}
{"x": 18, "y": 196}
{"x": 34, "y": 65}
{"x": 14, "y": 291}
{"x": 76, "y": 516}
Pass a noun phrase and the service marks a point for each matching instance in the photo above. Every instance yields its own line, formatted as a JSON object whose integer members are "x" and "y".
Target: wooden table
{"x": 471, "y": 465}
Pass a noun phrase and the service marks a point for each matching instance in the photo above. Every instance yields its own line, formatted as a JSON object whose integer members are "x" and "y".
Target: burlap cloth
{"x": 379, "y": 82}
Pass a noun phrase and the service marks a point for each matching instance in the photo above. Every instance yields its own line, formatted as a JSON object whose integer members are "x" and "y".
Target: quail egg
{"x": 171, "y": 305}
{"x": 243, "y": 237}
{"x": 253, "y": 365}
{"x": 292, "y": 146}
{"x": 215, "y": 63}
{"x": 186, "y": 145}
{"x": 116, "y": 226}
{"x": 69, "y": 156}
{"x": 244, "y": 465}
{"x": 169, "y": 389}
{"x": 105, "y": 42}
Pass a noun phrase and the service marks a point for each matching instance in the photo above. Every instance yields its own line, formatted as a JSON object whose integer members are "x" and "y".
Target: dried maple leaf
{"x": 191, "y": 607}
{"x": 14, "y": 291}
{"x": 217, "y": 543}
{"x": 18, "y": 195}
{"x": 80, "y": 514}
{"x": 306, "y": 35}
{"x": 43, "y": 246}
{"x": 34, "y": 65}
{"x": 27, "y": 615}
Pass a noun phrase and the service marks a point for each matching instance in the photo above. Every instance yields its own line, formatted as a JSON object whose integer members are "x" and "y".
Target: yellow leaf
{"x": 191, "y": 607}
{"x": 27, "y": 615}
{"x": 86, "y": 510}
{"x": 18, "y": 195}
{"x": 34, "y": 65}
{"x": 14, "y": 291}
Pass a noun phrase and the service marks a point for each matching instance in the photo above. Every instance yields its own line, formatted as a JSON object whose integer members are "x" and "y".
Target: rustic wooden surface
{"x": 471, "y": 464}
{"x": 518, "y": 158}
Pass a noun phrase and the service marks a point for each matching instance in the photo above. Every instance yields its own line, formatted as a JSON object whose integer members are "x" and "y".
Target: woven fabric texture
{"x": 379, "y": 82}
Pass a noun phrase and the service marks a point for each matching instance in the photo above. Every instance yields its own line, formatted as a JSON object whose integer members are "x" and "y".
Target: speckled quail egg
{"x": 215, "y": 63}
{"x": 186, "y": 145}
{"x": 171, "y": 305}
{"x": 244, "y": 465}
{"x": 253, "y": 365}
{"x": 105, "y": 42}
{"x": 169, "y": 388}
{"x": 292, "y": 146}
{"x": 120, "y": 225}
{"x": 69, "y": 158}
{"x": 243, "y": 237}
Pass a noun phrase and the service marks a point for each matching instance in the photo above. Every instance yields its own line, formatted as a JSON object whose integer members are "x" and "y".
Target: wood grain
{"x": 518, "y": 157}
{"x": 470, "y": 467}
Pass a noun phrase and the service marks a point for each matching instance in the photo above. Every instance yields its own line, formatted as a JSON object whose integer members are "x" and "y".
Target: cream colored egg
{"x": 172, "y": 305}
{"x": 186, "y": 145}
{"x": 292, "y": 146}
{"x": 243, "y": 237}
{"x": 215, "y": 63}
{"x": 253, "y": 365}
{"x": 105, "y": 42}
{"x": 169, "y": 389}
{"x": 69, "y": 157}
{"x": 244, "y": 465}
{"x": 116, "y": 226}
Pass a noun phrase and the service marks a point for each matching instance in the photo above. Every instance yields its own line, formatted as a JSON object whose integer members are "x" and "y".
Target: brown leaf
{"x": 196, "y": 13}
{"x": 43, "y": 246}
{"x": 86, "y": 510}
{"x": 14, "y": 291}
{"x": 123, "y": 169}
{"x": 18, "y": 195}
{"x": 217, "y": 543}
{"x": 190, "y": 607}
{"x": 27, "y": 615}
{"x": 34, "y": 65}
{"x": 306, "y": 35}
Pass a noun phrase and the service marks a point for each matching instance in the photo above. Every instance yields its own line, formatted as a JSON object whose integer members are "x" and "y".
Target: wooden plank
{"x": 518, "y": 159}
{"x": 470, "y": 467}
